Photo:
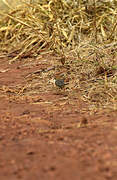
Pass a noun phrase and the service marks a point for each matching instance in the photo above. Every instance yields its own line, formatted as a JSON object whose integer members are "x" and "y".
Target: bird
{"x": 60, "y": 82}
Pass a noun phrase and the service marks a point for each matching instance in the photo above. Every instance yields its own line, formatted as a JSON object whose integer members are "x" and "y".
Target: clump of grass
{"x": 83, "y": 33}
{"x": 57, "y": 25}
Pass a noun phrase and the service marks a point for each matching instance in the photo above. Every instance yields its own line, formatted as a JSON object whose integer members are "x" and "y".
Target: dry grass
{"x": 84, "y": 33}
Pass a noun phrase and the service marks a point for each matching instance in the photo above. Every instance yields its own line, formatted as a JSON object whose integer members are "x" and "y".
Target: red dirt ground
{"x": 45, "y": 135}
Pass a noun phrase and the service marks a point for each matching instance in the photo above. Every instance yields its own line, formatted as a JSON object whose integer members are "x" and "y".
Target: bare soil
{"x": 46, "y": 135}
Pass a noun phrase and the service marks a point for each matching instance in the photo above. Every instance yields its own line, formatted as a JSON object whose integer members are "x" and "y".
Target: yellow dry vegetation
{"x": 84, "y": 31}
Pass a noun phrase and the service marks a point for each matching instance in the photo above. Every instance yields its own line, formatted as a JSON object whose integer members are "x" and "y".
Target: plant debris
{"x": 82, "y": 33}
